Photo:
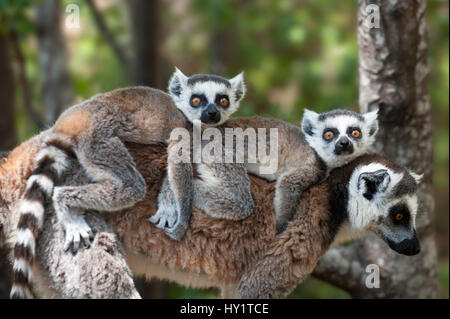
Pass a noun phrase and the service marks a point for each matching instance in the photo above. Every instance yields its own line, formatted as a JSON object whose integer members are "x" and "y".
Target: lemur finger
{"x": 154, "y": 219}
{"x": 281, "y": 227}
{"x": 178, "y": 231}
{"x": 68, "y": 242}
{"x": 172, "y": 220}
{"x": 91, "y": 234}
{"x": 85, "y": 239}
{"x": 76, "y": 243}
{"x": 162, "y": 223}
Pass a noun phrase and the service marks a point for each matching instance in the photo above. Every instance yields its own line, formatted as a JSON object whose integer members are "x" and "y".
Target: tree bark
{"x": 57, "y": 91}
{"x": 394, "y": 78}
{"x": 8, "y": 139}
{"x": 145, "y": 27}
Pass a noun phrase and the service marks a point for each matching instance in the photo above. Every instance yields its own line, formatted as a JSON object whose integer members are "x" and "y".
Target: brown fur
{"x": 220, "y": 249}
{"x": 143, "y": 115}
{"x": 74, "y": 123}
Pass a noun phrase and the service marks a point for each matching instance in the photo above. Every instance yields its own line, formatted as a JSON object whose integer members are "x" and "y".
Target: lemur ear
{"x": 238, "y": 86}
{"x": 177, "y": 82}
{"x": 310, "y": 118}
{"x": 372, "y": 121}
{"x": 417, "y": 177}
{"x": 370, "y": 183}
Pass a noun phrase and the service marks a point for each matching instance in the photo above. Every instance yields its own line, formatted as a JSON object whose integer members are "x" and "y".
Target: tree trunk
{"x": 57, "y": 91}
{"x": 8, "y": 136}
{"x": 146, "y": 60}
{"x": 394, "y": 78}
{"x": 8, "y": 139}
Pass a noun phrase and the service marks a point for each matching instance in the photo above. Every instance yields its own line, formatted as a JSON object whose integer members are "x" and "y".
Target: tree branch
{"x": 108, "y": 35}
{"x": 24, "y": 81}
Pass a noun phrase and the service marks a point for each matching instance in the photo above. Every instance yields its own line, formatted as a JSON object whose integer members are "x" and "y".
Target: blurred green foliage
{"x": 295, "y": 54}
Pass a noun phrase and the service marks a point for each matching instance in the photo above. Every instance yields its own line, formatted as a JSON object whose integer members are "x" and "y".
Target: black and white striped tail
{"x": 51, "y": 162}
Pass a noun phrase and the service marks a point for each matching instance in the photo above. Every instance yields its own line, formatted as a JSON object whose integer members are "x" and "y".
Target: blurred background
{"x": 295, "y": 54}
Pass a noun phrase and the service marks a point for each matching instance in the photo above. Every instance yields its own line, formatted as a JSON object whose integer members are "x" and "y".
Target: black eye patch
{"x": 399, "y": 214}
{"x": 202, "y": 100}
{"x": 219, "y": 98}
{"x": 354, "y": 132}
{"x": 332, "y": 130}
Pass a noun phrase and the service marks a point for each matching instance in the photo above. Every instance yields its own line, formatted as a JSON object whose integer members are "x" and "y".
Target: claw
{"x": 177, "y": 232}
{"x": 77, "y": 232}
{"x": 91, "y": 234}
{"x": 76, "y": 244}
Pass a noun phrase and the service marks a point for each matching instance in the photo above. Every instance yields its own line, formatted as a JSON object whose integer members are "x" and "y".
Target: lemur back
{"x": 135, "y": 114}
{"x": 93, "y": 133}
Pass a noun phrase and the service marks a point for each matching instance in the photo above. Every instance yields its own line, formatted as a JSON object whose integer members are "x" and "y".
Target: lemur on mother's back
{"x": 305, "y": 155}
{"x": 93, "y": 133}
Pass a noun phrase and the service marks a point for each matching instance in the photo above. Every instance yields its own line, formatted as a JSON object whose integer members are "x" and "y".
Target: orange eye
{"x": 195, "y": 101}
{"x": 356, "y": 133}
{"x": 398, "y": 217}
{"x": 224, "y": 102}
{"x": 328, "y": 135}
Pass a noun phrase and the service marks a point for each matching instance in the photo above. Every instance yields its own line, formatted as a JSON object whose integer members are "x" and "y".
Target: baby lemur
{"x": 94, "y": 131}
{"x": 305, "y": 156}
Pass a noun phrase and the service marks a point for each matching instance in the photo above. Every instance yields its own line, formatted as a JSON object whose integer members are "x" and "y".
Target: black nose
{"x": 343, "y": 147}
{"x": 408, "y": 247}
{"x": 210, "y": 115}
{"x": 344, "y": 142}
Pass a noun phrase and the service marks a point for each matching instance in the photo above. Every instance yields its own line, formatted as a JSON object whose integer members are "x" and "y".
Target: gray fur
{"x": 176, "y": 198}
{"x": 120, "y": 188}
{"x": 207, "y": 78}
{"x": 304, "y": 158}
{"x": 230, "y": 198}
{"x": 98, "y": 272}
{"x": 102, "y": 270}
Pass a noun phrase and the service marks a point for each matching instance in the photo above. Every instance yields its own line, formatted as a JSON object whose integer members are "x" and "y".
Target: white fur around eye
{"x": 181, "y": 94}
{"x": 325, "y": 149}
{"x": 363, "y": 211}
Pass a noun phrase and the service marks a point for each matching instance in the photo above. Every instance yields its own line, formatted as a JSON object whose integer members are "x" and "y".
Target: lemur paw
{"x": 77, "y": 231}
{"x": 281, "y": 227}
{"x": 165, "y": 217}
{"x": 178, "y": 231}
{"x": 167, "y": 220}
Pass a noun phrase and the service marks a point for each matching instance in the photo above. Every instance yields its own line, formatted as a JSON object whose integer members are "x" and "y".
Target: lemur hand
{"x": 76, "y": 230}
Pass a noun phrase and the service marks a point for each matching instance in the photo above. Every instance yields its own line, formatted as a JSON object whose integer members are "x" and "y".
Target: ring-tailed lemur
{"x": 221, "y": 185}
{"x": 93, "y": 132}
{"x": 307, "y": 154}
{"x": 370, "y": 194}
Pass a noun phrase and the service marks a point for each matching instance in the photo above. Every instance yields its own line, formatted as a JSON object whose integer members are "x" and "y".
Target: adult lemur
{"x": 243, "y": 258}
{"x": 94, "y": 132}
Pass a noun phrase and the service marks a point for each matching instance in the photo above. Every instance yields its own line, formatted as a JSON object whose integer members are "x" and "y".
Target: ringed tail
{"x": 51, "y": 162}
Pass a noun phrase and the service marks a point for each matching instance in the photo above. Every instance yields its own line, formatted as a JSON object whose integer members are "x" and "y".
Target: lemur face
{"x": 340, "y": 135}
{"x": 206, "y": 97}
{"x": 385, "y": 202}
